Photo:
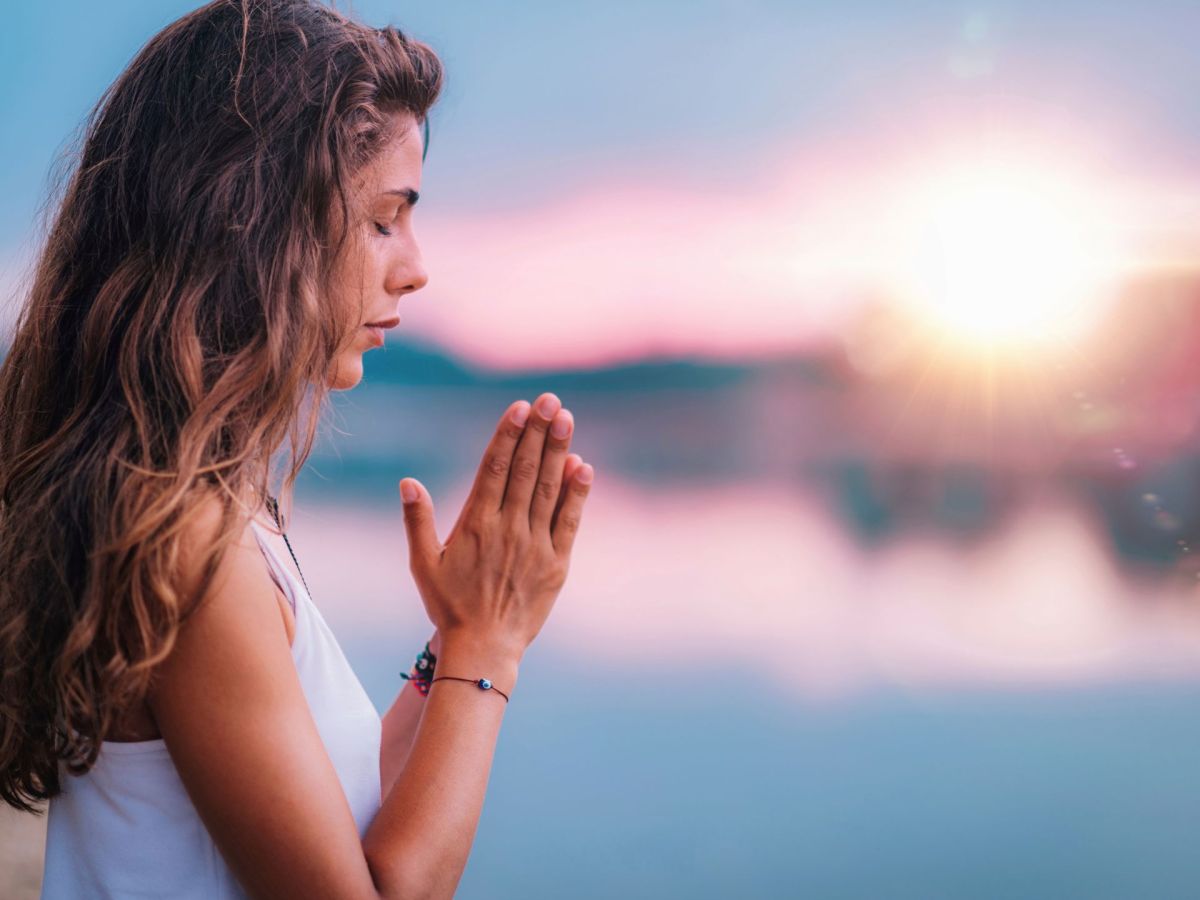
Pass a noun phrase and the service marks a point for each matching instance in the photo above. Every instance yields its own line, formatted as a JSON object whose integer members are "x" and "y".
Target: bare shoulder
{"x": 241, "y": 577}
{"x": 230, "y": 707}
{"x": 203, "y": 523}
{"x": 237, "y": 612}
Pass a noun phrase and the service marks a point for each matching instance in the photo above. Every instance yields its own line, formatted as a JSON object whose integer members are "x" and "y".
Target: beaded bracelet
{"x": 421, "y": 674}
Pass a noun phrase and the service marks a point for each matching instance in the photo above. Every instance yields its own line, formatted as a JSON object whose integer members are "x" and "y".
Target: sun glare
{"x": 1006, "y": 256}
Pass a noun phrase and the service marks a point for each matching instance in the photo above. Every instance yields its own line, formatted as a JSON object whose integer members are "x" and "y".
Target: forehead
{"x": 398, "y": 163}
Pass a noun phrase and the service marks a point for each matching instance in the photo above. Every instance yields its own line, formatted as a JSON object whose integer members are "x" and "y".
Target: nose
{"x": 419, "y": 277}
{"x": 408, "y": 275}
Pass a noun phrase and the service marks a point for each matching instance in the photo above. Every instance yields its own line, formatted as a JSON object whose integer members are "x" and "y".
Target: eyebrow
{"x": 407, "y": 193}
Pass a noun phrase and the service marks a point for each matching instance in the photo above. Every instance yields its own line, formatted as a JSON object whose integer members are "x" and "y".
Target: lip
{"x": 378, "y": 328}
{"x": 385, "y": 324}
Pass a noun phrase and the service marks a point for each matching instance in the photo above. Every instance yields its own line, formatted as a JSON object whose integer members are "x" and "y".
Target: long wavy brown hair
{"x": 175, "y": 340}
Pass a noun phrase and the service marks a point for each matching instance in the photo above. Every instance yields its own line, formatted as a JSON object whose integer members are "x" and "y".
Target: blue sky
{"x": 540, "y": 93}
{"x": 547, "y": 100}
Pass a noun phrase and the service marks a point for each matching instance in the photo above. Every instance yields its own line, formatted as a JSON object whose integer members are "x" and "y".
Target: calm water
{"x": 737, "y": 695}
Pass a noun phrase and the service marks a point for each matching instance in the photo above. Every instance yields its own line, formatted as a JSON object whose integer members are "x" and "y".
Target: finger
{"x": 549, "y": 483}
{"x": 567, "y": 524}
{"x": 527, "y": 459}
{"x": 574, "y": 461}
{"x": 487, "y": 492}
{"x": 419, "y": 524}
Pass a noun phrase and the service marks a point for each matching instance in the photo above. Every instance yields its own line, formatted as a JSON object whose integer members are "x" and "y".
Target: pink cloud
{"x": 777, "y": 258}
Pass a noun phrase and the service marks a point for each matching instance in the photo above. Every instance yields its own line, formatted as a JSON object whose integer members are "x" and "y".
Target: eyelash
{"x": 382, "y": 229}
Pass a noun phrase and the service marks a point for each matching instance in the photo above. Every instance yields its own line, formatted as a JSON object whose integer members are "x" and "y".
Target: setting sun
{"x": 1006, "y": 255}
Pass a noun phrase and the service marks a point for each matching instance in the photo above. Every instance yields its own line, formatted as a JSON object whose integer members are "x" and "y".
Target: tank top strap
{"x": 279, "y": 573}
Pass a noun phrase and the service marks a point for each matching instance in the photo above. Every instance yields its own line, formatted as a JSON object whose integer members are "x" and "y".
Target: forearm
{"x": 400, "y": 727}
{"x": 420, "y": 840}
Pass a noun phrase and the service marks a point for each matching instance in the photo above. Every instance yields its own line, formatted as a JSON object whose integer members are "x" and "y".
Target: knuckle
{"x": 526, "y": 468}
{"x": 496, "y": 464}
{"x": 547, "y": 489}
{"x": 554, "y": 576}
{"x": 569, "y": 523}
{"x": 517, "y": 529}
{"x": 472, "y": 525}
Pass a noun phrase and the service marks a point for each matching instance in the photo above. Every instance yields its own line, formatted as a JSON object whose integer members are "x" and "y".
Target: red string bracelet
{"x": 482, "y": 683}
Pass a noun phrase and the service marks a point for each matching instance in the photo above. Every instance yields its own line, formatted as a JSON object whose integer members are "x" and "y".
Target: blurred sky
{"x": 613, "y": 180}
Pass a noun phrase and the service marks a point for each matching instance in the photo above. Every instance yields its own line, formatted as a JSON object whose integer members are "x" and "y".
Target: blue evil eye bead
{"x": 484, "y": 683}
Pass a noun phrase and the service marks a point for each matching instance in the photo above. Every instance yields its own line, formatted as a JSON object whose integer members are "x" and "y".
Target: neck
{"x": 258, "y": 509}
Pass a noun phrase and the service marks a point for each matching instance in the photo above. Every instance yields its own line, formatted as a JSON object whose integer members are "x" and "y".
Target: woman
{"x": 237, "y": 234}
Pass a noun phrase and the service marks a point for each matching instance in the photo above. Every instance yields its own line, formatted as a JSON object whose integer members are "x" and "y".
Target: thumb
{"x": 419, "y": 523}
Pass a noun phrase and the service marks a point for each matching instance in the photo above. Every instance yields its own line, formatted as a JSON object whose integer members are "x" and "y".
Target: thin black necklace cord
{"x": 273, "y": 506}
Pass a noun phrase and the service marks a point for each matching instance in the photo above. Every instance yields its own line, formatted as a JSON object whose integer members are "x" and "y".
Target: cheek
{"x": 378, "y": 260}
{"x": 356, "y": 277}
{"x": 343, "y": 318}
{"x": 366, "y": 284}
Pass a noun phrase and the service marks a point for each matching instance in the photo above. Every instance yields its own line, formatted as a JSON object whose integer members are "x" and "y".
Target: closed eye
{"x": 382, "y": 229}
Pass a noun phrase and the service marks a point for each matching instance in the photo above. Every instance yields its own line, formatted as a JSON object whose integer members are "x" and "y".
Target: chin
{"x": 347, "y": 372}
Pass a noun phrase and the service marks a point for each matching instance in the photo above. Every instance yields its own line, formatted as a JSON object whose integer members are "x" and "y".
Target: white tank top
{"x": 127, "y": 828}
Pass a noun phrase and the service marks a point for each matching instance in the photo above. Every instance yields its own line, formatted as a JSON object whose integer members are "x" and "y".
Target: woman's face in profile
{"x": 382, "y": 261}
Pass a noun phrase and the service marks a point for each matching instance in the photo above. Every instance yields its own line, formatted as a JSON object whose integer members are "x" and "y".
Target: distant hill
{"x": 406, "y": 361}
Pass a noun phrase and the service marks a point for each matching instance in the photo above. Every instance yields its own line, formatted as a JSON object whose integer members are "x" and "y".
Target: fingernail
{"x": 585, "y": 474}
{"x": 561, "y": 426}
{"x": 520, "y": 415}
{"x": 548, "y": 405}
{"x": 408, "y": 491}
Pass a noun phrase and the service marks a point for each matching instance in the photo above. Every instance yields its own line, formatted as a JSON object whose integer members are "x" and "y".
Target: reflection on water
{"x": 758, "y": 579}
{"x": 795, "y": 657}
{"x": 734, "y": 697}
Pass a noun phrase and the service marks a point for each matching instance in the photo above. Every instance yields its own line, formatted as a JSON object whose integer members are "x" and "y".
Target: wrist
{"x": 489, "y": 646}
{"x": 469, "y": 656}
